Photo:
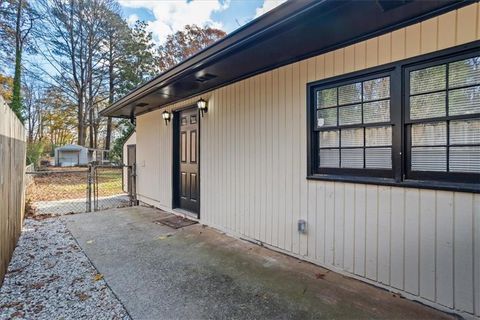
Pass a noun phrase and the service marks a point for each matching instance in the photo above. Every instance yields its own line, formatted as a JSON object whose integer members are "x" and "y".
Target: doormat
{"x": 176, "y": 222}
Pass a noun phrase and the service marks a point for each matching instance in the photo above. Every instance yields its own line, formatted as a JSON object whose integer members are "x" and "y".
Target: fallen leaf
{"x": 319, "y": 275}
{"x": 82, "y": 296}
{"x": 163, "y": 237}
{"x": 17, "y": 314}
{"x": 98, "y": 277}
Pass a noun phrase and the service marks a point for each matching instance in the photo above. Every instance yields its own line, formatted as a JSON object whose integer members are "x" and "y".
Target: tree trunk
{"x": 17, "y": 80}
{"x": 111, "y": 88}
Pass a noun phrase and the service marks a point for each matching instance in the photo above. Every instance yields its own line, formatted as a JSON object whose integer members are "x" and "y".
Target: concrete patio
{"x": 197, "y": 273}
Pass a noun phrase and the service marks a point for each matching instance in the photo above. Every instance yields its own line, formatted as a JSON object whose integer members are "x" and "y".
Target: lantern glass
{"x": 202, "y": 104}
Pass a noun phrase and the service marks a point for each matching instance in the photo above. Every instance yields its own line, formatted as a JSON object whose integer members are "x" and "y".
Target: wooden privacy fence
{"x": 12, "y": 180}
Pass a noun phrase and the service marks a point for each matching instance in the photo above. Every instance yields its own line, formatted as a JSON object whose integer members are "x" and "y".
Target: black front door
{"x": 186, "y": 149}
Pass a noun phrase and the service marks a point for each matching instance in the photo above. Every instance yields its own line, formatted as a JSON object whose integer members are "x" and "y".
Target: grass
{"x": 71, "y": 183}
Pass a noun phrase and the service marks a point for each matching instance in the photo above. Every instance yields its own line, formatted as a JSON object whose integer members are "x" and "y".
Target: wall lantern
{"x": 167, "y": 116}
{"x": 202, "y": 106}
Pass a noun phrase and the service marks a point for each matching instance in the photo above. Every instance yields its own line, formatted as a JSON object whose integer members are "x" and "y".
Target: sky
{"x": 165, "y": 17}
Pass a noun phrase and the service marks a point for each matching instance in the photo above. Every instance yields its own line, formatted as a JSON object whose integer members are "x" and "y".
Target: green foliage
{"x": 116, "y": 152}
{"x": 34, "y": 153}
{"x": 16, "y": 104}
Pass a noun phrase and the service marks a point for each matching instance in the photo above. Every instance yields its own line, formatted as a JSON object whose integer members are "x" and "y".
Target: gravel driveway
{"x": 50, "y": 277}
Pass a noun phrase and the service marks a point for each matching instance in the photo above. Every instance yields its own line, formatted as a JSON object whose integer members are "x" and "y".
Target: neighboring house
{"x": 128, "y": 158}
{"x": 71, "y": 155}
{"x": 342, "y": 133}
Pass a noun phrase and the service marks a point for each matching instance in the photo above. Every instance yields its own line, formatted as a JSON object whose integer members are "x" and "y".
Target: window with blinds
{"x": 353, "y": 125}
{"x": 414, "y": 122}
{"x": 443, "y": 118}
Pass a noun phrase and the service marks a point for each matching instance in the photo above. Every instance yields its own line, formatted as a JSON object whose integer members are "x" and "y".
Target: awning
{"x": 291, "y": 32}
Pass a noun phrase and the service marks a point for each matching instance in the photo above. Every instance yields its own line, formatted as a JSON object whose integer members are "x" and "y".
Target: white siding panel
{"x": 384, "y": 233}
{"x": 360, "y": 229}
{"x": 349, "y": 225}
{"x": 371, "y": 250}
{"x": 321, "y": 228}
{"x": 412, "y": 200}
{"x": 463, "y": 250}
{"x": 397, "y": 238}
{"x": 444, "y": 252}
{"x": 339, "y": 223}
{"x": 330, "y": 223}
{"x": 427, "y": 244}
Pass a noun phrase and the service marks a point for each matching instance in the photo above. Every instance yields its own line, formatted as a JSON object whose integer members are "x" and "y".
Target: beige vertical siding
{"x": 423, "y": 243}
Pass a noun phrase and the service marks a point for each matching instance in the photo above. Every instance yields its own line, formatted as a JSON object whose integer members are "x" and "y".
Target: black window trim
{"x": 398, "y": 120}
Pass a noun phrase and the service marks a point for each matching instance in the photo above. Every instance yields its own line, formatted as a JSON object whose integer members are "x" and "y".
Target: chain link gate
{"x": 111, "y": 187}
{"x": 59, "y": 191}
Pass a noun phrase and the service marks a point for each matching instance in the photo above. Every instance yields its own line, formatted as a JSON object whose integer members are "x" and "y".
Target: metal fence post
{"x": 89, "y": 187}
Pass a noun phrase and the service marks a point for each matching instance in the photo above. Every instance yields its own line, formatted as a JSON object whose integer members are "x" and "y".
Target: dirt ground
{"x": 71, "y": 183}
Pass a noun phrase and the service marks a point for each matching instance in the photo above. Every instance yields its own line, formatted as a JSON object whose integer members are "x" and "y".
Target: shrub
{"x": 34, "y": 152}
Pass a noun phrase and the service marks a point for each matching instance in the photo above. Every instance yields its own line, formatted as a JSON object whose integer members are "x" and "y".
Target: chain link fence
{"x": 108, "y": 188}
{"x": 60, "y": 191}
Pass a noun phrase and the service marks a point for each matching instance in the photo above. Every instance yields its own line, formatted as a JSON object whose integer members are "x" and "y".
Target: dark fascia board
{"x": 282, "y": 13}
{"x": 253, "y": 33}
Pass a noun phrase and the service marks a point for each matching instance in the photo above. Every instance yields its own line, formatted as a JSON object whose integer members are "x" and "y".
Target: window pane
{"x": 352, "y": 137}
{"x": 464, "y": 72}
{"x": 350, "y": 93}
{"x": 429, "y": 159}
{"x": 350, "y": 114}
{"x": 378, "y": 158}
{"x": 465, "y": 159}
{"x": 378, "y": 136}
{"x": 464, "y": 101}
{"x": 327, "y": 117}
{"x": 429, "y": 134}
{"x": 376, "y": 89}
{"x": 352, "y": 158}
{"x": 328, "y": 138}
{"x": 327, "y": 98}
{"x": 465, "y": 132}
{"x": 378, "y": 111}
{"x": 428, "y": 106}
{"x": 329, "y": 158}
{"x": 429, "y": 79}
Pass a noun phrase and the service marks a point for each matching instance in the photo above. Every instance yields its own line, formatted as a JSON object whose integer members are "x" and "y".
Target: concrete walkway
{"x": 198, "y": 273}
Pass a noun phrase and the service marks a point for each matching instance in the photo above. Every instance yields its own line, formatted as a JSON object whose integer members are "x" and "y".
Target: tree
{"x": 141, "y": 61}
{"x": 118, "y": 36}
{"x": 6, "y": 86}
{"x": 7, "y": 31}
{"x": 185, "y": 43}
{"x": 16, "y": 21}
{"x": 73, "y": 46}
{"x": 58, "y": 117}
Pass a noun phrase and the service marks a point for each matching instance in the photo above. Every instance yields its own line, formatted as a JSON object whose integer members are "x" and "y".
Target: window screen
{"x": 353, "y": 125}
{"x": 444, "y": 117}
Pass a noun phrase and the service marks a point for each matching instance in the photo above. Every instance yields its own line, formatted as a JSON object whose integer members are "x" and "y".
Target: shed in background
{"x": 71, "y": 155}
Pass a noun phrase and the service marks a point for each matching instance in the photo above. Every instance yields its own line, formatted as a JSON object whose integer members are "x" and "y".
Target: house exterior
{"x": 71, "y": 155}
{"x": 342, "y": 133}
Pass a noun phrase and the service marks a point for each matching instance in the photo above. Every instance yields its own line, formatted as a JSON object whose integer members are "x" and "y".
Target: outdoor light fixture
{"x": 202, "y": 106}
{"x": 167, "y": 116}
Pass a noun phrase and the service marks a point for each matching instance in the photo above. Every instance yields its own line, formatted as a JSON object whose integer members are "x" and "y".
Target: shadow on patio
{"x": 197, "y": 272}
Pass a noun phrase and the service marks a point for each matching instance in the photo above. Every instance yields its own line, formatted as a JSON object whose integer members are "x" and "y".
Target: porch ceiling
{"x": 291, "y": 32}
